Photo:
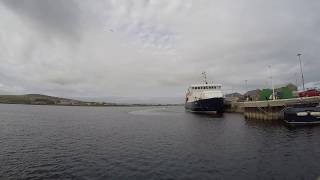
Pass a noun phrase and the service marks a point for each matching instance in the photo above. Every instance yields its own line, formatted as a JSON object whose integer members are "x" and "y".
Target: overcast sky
{"x": 154, "y": 47}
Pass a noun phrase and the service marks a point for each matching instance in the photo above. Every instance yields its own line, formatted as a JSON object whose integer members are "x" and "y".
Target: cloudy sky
{"x": 153, "y": 48}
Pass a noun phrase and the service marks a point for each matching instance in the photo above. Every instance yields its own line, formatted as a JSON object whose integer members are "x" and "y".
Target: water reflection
{"x": 263, "y": 123}
{"x": 150, "y": 143}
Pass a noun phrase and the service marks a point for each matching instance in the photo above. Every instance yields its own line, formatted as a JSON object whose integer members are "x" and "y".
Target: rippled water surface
{"x": 50, "y": 142}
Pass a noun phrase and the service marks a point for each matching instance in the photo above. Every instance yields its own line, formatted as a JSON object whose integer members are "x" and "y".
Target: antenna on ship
{"x": 204, "y": 77}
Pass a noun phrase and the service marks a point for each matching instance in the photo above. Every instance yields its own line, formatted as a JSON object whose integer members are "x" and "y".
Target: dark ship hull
{"x": 212, "y": 105}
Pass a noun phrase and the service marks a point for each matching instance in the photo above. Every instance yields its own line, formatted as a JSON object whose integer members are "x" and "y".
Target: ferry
{"x": 205, "y": 98}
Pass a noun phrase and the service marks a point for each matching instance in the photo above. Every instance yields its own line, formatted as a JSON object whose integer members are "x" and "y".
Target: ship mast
{"x": 204, "y": 77}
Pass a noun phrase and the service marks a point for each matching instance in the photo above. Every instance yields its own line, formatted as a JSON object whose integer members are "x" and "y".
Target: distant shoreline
{"x": 114, "y": 105}
{"x": 39, "y": 99}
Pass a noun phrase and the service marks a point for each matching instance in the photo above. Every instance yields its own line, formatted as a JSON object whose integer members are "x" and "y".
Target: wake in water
{"x": 156, "y": 111}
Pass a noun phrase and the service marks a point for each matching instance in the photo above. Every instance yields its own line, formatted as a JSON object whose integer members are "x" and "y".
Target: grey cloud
{"x": 58, "y": 16}
{"x": 155, "y": 48}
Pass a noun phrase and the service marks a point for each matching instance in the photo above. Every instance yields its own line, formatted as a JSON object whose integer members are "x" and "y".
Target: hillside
{"x": 39, "y": 99}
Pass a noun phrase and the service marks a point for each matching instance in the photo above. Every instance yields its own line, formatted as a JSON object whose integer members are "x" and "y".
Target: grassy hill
{"x": 38, "y": 99}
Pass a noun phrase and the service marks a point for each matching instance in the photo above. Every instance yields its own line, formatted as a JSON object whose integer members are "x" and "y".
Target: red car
{"x": 309, "y": 93}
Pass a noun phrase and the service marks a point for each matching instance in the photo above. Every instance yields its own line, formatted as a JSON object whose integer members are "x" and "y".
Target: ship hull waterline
{"x": 206, "y": 106}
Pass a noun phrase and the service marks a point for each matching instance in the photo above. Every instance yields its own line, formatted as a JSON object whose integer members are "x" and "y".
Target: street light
{"x": 246, "y": 81}
{"x": 273, "y": 94}
{"x": 301, "y": 70}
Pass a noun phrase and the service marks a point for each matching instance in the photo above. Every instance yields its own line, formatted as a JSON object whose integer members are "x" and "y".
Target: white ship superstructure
{"x": 206, "y": 97}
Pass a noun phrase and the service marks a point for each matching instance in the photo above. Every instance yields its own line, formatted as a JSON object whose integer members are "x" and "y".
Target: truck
{"x": 309, "y": 93}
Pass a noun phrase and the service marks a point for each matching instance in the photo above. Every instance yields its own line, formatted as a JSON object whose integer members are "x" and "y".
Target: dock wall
{"x": 266, "y": 110}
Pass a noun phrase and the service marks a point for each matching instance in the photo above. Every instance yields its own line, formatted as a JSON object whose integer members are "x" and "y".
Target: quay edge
{"x": 266, "y": 110}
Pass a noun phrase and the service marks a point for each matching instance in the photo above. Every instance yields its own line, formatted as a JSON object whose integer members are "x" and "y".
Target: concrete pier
{"x": 266, "y": 110}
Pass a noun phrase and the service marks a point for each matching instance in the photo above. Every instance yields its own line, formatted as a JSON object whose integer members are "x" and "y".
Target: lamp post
{"x": 246, "y": 81}
{"x": 273, "y": 94}
{"x": 295, "y": 76}
{"x": 302, "y": 78}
